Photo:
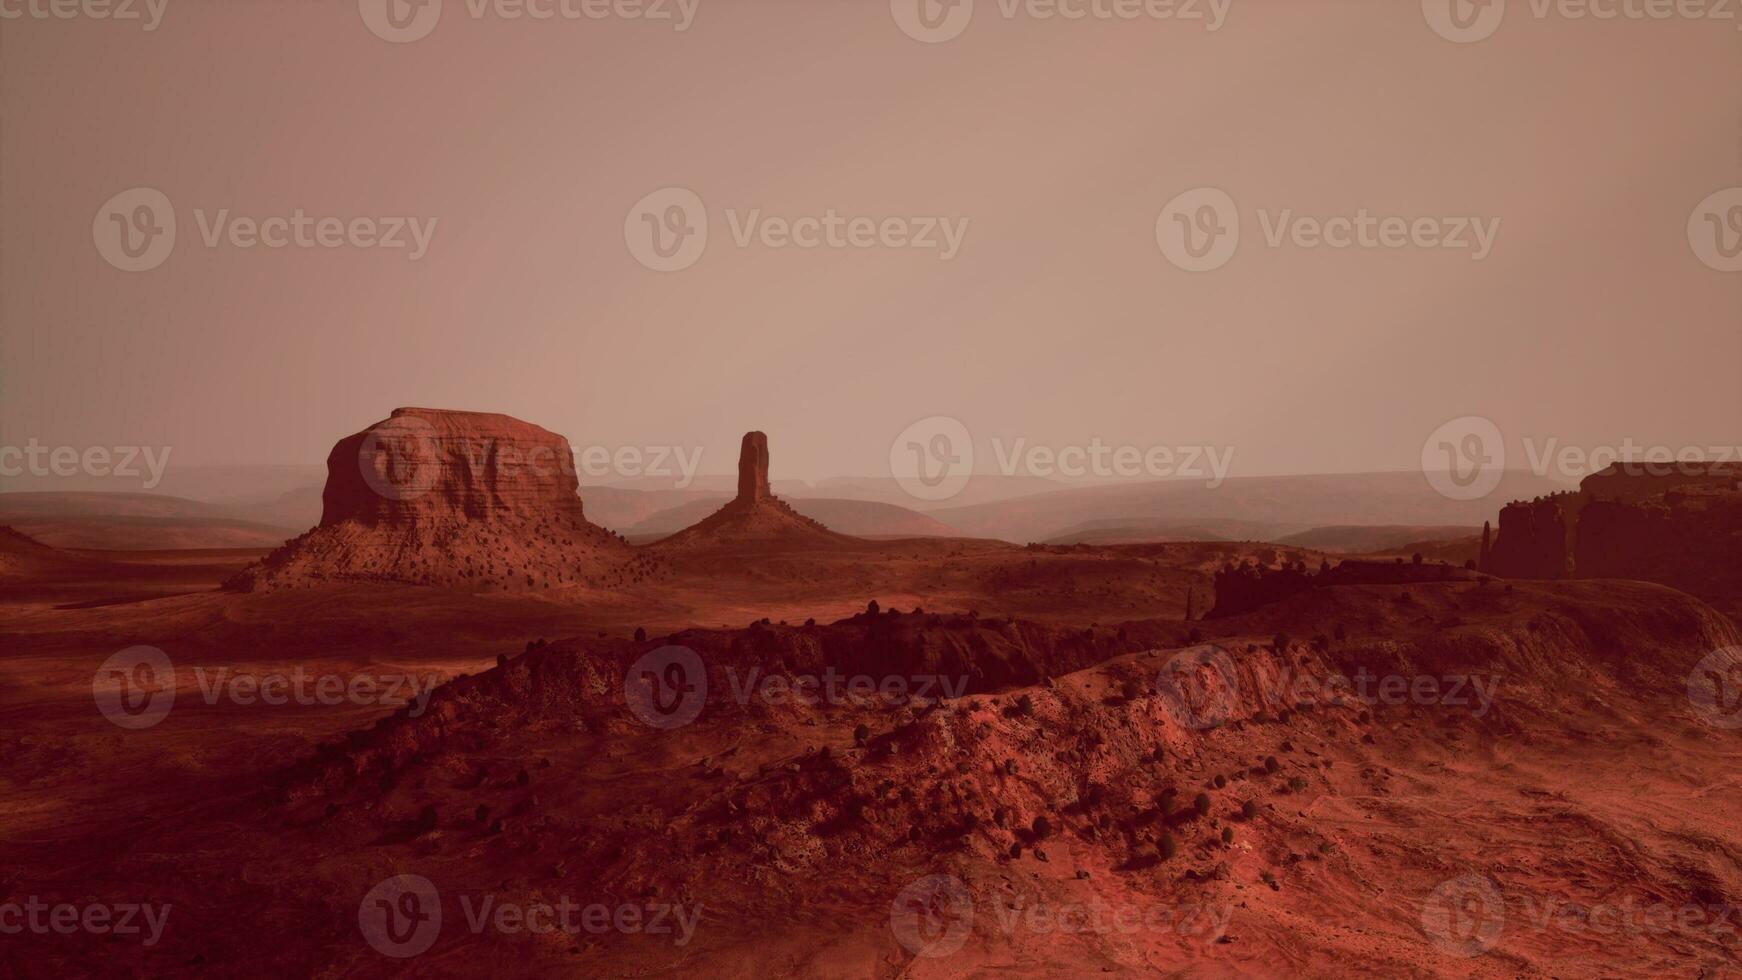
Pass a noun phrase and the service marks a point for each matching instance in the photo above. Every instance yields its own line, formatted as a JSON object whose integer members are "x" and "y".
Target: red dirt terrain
{"x": 774, "y": 750}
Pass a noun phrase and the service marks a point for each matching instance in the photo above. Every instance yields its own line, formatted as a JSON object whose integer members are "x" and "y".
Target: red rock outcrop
{"x": 463, "y": 499}
{"x": 1678, "y": 525}
{"x": 756, "y": 515}
{"x": 1535, "y": 537}
{"x": 753, "y": 469}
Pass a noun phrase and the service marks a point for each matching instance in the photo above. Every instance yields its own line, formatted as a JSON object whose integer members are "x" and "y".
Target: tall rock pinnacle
{"x": 756, "y": 517}
{"x": 753, "y": 469}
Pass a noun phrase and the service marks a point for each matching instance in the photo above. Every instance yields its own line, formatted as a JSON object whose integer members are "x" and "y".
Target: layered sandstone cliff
{"x": 1678, "y": 525}
{"x": 462, "y": 499}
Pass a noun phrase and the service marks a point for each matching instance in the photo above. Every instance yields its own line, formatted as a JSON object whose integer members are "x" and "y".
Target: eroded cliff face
{"x": 1690, "y": 539}
{"x": 1680, "y": 526}
{"x": 1535, "y": 538}
{"x": 460, "y": 499}
{"x": 425, "y": 464}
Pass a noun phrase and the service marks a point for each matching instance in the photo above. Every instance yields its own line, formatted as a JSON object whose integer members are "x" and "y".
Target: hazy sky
{"x": 1059, "y": 319}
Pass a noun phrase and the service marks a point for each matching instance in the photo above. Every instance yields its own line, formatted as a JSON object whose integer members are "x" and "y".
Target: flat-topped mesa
{"x": 755, "y": 515}
{"x": 1674, "y": 523}
{"x": 753, "y": 469}
{"x": 471, "y": 500}
{"x": 421, "y": 464}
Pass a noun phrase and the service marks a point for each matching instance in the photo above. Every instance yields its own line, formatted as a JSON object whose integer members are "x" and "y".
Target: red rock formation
{"x": 753, "y": 469}
{"x": 1535, "y": 537}
{"x": 756, "y": 515}
{"x": 462, "y": 499}
{"x": 424, "y": 464}
{"x": 1679, "y": 526}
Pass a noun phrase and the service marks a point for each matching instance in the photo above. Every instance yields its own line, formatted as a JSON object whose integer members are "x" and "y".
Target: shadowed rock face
{"x": 1535, "y": 539}
{"x": 753, "y": 469}
{"x": 467, "y": 500}
{"x": 1679, "y": 526}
